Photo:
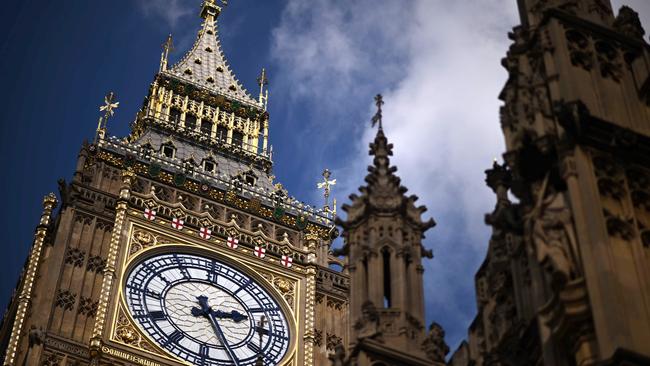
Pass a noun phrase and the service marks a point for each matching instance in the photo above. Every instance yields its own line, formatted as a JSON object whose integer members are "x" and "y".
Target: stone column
{"x": 24, "y": 299}
{"x": 109, "y": 271}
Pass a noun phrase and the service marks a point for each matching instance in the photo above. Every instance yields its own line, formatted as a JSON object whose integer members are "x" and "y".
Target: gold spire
{"x": 210, "y": 10}
{"x": 168, "y": 46}
{"x": 263, "y": 81}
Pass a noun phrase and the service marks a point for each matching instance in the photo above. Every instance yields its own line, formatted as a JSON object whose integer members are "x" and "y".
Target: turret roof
{"x": 205, "y": 64}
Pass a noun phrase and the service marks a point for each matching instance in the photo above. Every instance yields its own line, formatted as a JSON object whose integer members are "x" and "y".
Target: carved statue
{"x": 368, "y": 325}
{"x": 338, "y": 357}
{"x": 628, "y": 23}
{"x": 551, "y": 228}
{"x": 67, "y": 192}
{"x": 36, "y": 336}
{"x": 434, "y": 344}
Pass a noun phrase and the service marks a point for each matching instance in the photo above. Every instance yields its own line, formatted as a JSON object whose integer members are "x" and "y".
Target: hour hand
{"x": 235, "y": 315}
{"x": 205, "y": 309}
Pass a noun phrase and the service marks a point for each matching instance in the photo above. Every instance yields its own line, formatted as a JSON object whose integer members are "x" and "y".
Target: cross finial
{"x": 326, "y": 185}
{"x": 168, "y": 46}
{"x": 263, "y": 81}
{"x": 379, "y": 101}
{"x": 108, "y": 108}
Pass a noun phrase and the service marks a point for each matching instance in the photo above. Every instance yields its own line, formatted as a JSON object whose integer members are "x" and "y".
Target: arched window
{"x": 190, "y": 121}
{"x": 222, "y": 133}
{"x": 174, "y": 115}
{"x": 206, "y": 127}
{"x": 237, "y": 138}
{"x": 209, "y": 165}
{"x": 385, "y": 253}
{"x": 168, "y": 150}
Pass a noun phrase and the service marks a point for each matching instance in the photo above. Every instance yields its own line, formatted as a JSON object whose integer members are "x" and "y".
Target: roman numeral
{"x": 157, "y": 315}
{"x": 261, "y": 310}
{"x": 175, "y": 337}
{"x": 255, "y": 348}
{"x": 153, "y": 294}
{"x": 213, "y": 275}
{"x": 203, "y": 351}
{"x": 246, "y": 284}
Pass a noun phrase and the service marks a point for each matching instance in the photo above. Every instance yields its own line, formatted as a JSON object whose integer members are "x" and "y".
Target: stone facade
{"x": 565, "y": 279}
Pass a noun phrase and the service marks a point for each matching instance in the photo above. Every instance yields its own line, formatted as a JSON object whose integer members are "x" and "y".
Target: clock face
{"x": 205, "y": 311}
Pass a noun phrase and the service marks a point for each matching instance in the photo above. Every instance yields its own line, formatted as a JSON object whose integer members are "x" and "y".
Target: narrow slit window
{"x": 387, "y": 279}
{"x": 174, "y": 115}
{"x": 206, "y": 127}
{"x": 190, "y": 121}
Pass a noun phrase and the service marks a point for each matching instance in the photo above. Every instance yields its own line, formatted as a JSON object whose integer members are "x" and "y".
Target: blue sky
{"x": 436, "y": 62}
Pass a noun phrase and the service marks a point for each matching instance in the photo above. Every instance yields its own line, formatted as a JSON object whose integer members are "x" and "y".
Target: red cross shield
{"x": 232, "y": 243}
{"x": 149, "y": 214}
{"x": 260, "y": 252}
{"x": 205, "y": 233}
{"x": 178, "y": 224}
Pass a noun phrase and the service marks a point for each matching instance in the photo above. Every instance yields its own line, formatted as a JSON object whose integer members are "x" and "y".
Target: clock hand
{"x": 235, "y": 315}
{"x": 207, "y": 312}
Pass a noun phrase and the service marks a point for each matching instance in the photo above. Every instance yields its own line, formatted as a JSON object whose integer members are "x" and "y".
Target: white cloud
{"x": 437, "y": 64}
{"x": 170, "y": 11}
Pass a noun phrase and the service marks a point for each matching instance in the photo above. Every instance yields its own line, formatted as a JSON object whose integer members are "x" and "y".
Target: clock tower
{"x": 174, "y": 245}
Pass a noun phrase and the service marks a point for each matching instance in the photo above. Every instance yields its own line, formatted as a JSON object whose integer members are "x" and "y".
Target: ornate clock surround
{"x": 285, "y": 286}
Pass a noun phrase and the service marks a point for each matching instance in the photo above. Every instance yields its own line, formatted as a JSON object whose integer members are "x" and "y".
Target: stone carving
{"x": 338, "y": 357}
{"x": 141, "y": 239}
{"x": 550, "y": 225}
{"x": 75, "y": 257}
{"x": 628, "y": 23}
{"x": 318, "y": 337}
{"x": 96, "y": 264}
{"x": 87, "y": 306}
{"x": 283, "y": 285}
{"x": 51, "y": 359}
{"x": 333, "y": 341}
{"x": 619, "y": 226}
{"x": 126, "y": 333}
{"x": 368, "y": 325}
{"x": 65, "y": 299}
{"x": 579, "y": 49}
{"x": 609, "y": 60}
{"x": 36, "y": 336}
{"x": 434, "y": 344}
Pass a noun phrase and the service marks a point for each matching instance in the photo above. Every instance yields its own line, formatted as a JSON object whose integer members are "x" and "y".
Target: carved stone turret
{"x": 383, "y": 235}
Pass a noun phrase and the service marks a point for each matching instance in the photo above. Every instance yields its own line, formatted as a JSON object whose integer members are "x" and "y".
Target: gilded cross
{"x": 109, "y": 105}
{"x": 379, "y": 101}
{"x": 326, "y": 185}
{"x": 108, "y": 108}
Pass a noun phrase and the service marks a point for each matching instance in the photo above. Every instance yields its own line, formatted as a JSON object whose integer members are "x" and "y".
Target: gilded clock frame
{"x": 237, "y": 258}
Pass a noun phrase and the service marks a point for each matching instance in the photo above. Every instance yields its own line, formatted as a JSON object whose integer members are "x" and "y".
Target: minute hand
{"x": 222, "y": 338}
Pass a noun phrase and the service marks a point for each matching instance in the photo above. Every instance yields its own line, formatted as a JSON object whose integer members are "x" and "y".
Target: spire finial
{"x": 263, "y": 81}
{"x": 108, "y": 108}
{"x": 326, "y": 185}
{"x": 210, "y": 10}
{"x": 168, "y": 46}
{"x": 379, "y": 101}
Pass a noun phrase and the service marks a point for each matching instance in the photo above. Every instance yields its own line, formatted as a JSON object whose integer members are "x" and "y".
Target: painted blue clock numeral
{"x": 157, "y": 315}
{"x": 152, "y": 293}
{"x": 175, "y": 337}
{"x": 204, "y": 350}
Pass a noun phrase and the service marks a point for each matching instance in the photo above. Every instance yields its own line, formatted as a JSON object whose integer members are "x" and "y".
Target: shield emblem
{"x": 154, "y": 170}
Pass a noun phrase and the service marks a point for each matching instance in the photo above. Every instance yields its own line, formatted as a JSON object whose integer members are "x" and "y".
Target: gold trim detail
{"x": 284, "y": 286}
{"x": 49, "y": 202}
{"x": 125, "y": 332}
